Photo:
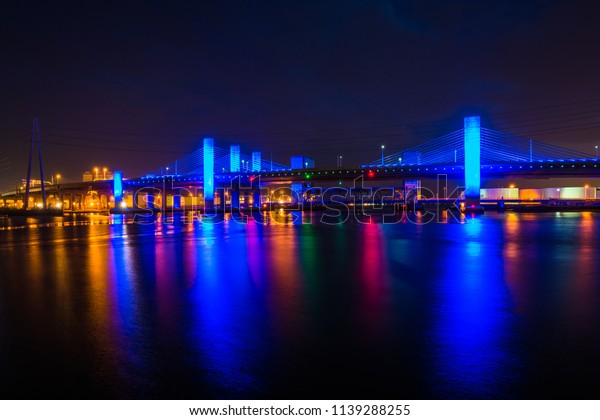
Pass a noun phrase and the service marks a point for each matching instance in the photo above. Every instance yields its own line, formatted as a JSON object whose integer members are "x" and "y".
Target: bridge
{"x": 212, "y": 176}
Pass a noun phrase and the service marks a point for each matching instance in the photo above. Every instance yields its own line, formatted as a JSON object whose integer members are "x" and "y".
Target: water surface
{"x": 502, "y": 306}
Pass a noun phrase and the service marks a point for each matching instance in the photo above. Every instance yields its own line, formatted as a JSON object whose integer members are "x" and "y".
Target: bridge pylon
{"x": 209, "y": 172}
{"x": 472, "y": 142}
{"x": 35, "y": 132}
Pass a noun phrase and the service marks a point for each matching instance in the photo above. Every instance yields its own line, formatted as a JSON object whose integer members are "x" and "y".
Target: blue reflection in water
{"x": 226, "y": 324}
{"x": 472, "y": 355}
{"x": 149, "y": 271}
{"x": 504, "y": 306}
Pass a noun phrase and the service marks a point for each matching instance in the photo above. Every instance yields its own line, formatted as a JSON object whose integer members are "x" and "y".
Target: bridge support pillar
{"x": 256, "y": 197}
{"x": 209, "y": 172}
{"x": 472, "y": 163}
{"x": 118, "y": 188}
{"x": 150, "y": 200}
{"x": 163, "y": 198}
{"x": 235, "y": 194}
{"x": 298, "y": 192}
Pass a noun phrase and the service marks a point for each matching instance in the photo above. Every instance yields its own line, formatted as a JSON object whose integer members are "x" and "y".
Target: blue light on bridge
{"x": 472, "y": 157}
{"x": 234, "y": 158}
{"x": 118, "y": 186}
{"x": 256, "y": 161}
{"x": 209, "y": 169}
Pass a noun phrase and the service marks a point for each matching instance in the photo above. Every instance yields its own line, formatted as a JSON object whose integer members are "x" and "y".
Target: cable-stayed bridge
{"x": 225, "y": 161}
{"x": 467, "y": 155}
{"x": 496, "y": 148}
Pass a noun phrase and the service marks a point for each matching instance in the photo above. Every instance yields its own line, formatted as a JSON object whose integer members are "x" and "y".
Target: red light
{"x": 472, "y": 206}
{"x": 251, "y": 178}
{"x": 371, "y": 174}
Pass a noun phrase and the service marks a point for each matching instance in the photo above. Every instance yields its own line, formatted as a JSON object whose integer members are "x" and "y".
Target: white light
{"x": 123, "y": 205}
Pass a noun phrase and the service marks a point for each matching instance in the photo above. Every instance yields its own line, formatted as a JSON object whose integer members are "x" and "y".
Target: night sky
{"x": 134, "y": 85}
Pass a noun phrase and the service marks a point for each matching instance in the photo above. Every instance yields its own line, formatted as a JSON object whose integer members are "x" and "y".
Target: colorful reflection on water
{"x": 502, "y": 306}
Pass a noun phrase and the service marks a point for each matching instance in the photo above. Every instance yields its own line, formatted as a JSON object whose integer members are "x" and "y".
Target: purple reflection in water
{"x": 504, "y": 306}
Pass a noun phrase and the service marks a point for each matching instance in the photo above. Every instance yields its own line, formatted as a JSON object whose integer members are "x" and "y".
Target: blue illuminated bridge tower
{"x": 466, "y": 155}
{"x": 217, "y": 177}
{"x": 472, "y": 150}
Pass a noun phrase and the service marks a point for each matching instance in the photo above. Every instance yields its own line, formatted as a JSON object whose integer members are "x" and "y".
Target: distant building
{"x": 499, "y": 193}
{"x": 97, "y": 175}
{"x": 531, "y": 194}
{"x": 302, "y": 162}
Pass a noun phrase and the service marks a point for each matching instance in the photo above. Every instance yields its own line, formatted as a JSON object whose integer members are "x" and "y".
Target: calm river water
{"x": 502, "y": 306}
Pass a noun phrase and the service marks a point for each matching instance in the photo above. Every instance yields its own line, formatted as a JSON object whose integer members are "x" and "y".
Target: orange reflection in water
{"x": 285, "y": 291}
{"x": 516, "y": 261}
{"x": 102, "y": 301}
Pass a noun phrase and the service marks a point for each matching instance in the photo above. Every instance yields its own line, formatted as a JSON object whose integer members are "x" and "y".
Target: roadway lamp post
{"x": 243, "y": 165}
{"x": 104, "y": 173}
{"x": 382, "y": 157}
{"x": 341, "y": 161}
{"x": 95, "y": 173}
{"x": 596, "y": 151}
{"x": 57, "y": 179}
